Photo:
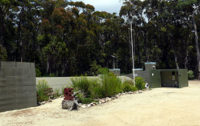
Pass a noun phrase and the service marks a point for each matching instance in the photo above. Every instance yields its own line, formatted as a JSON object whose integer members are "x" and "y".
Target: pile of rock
{"x": 107, "y": 99}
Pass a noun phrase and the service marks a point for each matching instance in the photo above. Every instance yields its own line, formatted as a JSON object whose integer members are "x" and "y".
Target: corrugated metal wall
{"x": 17, "y": 85}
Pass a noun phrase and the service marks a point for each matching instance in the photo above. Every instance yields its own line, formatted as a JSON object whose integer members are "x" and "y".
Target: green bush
{"x": 128, "y": 86}
{"x": 57, "y": 93}
{"x": 190, "y": 75}
{"x": 95, "y": 89}
{"x": 111, "y": 85}
{"x": 82, "y": 84}
{"x": 103, "y": 71}
{"x": 134, "y": 88}
{"x": 108, "y": 86}
{"x": 90, "y": 88}
{"x": 83, "y": 99}
{"x": 94, "y": 67}
{"x": 38, "y": 73}
{"x": 41, "y": 87}
{"x": 139, "y": 83}
{"x": 51, "y": 75}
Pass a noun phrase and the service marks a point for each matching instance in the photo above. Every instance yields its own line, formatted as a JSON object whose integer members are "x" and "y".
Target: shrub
{"x": 134, "y": 88}
{"x": 111, "y": 85}
{"x": 95, "y": 89}
{"x": 57, "y": 93}
{"x": 139, "y": 83}
{"x": 38, "y": 73}
{"x": 128, "y": 86}
{"x": 81, "y": 84}
{"x": 190, "y": 75}
{"x": 103, "y": 71}
{"x": 83, "y": 99}
{"x": 51, "y": 75}
{"x": 42, "y": 86}
{"x": 90, "y": 88}
{"x": 94, "y": 67}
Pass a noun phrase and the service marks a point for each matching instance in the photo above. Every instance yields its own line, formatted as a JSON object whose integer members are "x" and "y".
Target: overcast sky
{"x": 105, "y": 5}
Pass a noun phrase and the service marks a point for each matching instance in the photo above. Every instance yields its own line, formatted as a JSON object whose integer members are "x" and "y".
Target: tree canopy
{"x": 70, "y": 38}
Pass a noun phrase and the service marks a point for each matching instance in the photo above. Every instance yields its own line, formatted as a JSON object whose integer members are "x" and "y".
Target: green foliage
{"x": 83, "y": 99}
{"x": 190, "y": 75}
{"x": 111, "y": 85}
{"x": 94, "y": 68}
{"x": 51, "y": 75}
{"x": 3, "y": 53}
{"x": 57, "y": 93}
{"x": 41, "y": 87}
{"x": 95, "y": 90}
{"x": 71, "y": 38}
{"x": 139, "y": 83}
{"x": 186, "y": 2}
{"x": 103, "y": 71}
{"x": 129, "y": 86}
{"x": 38, "y": 73}
{"x": 82, "y": 84}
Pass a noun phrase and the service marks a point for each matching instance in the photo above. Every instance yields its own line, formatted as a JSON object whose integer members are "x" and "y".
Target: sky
{"x": 112, "y": 6}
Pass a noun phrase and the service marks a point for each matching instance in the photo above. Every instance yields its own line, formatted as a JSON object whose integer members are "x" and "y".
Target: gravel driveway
{"x": 157, "y": 107}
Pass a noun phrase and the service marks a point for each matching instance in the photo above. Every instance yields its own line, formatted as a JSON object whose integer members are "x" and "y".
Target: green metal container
{"x": 168, "y": 78}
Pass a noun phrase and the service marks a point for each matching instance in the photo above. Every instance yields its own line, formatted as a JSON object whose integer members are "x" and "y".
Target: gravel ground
{"x": 157, "y": 107}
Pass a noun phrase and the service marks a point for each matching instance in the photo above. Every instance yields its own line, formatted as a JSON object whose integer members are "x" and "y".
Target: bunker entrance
{"x": 169, "y": 79}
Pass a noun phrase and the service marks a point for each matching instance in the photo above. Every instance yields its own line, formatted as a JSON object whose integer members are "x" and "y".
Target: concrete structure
{"x": 59, "y": 83}
{"x": 116, "y": 71}
{"x": 17, "y": 85}
{"x": 163, "y": 77}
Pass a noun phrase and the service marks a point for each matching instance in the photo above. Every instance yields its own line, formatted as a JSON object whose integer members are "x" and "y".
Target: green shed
{"x": 168, "y": 78}
{"x": 163, "y": 77}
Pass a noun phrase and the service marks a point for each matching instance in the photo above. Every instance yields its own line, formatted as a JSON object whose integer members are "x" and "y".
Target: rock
{"x": 113, "y": 98}
{"x": 42, "y": 103}
{"x": 49, "y": 100}
{"x": 69, "y": 104}
{"x": 140, "y": 91}
{"x": 83, "y": 106}
{"x": 108, "y": 99}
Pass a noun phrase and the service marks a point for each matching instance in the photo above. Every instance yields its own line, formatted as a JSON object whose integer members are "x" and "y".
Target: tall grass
{"x": 139, "y": 83}
{"x": 89, "y": 89}
{"x": 108, "y": 86}
{"x": 111, "y": 85}
{"x": 41, "y": 87}
{"x": 82, "y": 84}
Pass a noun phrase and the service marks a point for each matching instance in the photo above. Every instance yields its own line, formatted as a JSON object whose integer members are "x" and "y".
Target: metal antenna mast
{"x": 132, "y": 44}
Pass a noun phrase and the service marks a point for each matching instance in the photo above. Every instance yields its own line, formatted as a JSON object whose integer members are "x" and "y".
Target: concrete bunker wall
{"x": 17, "y": 85}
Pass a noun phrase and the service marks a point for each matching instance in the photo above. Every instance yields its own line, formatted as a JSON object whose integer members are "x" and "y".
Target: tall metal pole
{"x": 133, "y": 61}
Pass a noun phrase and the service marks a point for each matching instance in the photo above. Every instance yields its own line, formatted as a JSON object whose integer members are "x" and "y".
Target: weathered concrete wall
{"x": 58, "y": 83}
{"x": 17, "y": 85}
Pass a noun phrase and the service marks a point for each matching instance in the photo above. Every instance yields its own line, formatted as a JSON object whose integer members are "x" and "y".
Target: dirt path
{"x": 158, "y": 107}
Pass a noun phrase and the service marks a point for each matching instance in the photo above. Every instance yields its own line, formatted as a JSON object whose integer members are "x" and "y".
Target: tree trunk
{"x": 186, "y": 59}
{"x": 197, "y": 45}
{"x": 176, "y": 60}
